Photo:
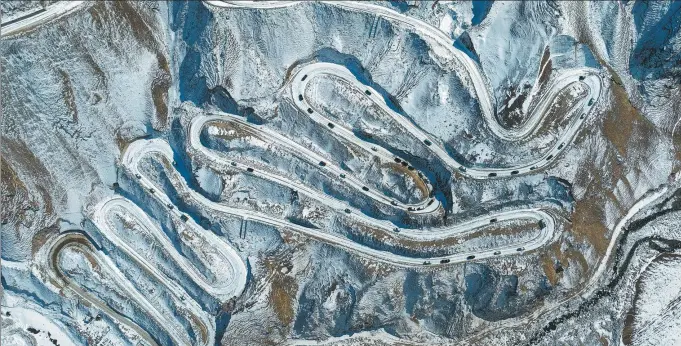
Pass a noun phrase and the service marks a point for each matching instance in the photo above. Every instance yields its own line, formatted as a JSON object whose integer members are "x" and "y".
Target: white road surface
{"x": 283, "y": 143}
{"x": 23, "y": 22}
{"x": 590, "y": 81}
{"x": 215, "y": 254}
{"x": 443, "y": 45}
{"x": 142, "y": 148}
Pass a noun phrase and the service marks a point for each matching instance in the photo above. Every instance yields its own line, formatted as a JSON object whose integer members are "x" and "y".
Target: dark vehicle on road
{"x": 444, "y": 261}
{"x": 330, "y": 125}
{"x": 471, "y": 257}
{"x": 514, "y": 172}
{"x": 250, "y": 169}
{"x": 493, "y": 220}
{"x": 365, "y": 188}
{"x": 348, "y": 211}
{"x": 184, "y": 218}
{"x": 497, "y": 253}
{"x": 520, "y": 249}
{"x": 426, "y": 263}
{"x": 492, "y": 174}
{"x": 427, "y": 142}
{"x": 322, "y": 163}
{"x": 367, "y": 92}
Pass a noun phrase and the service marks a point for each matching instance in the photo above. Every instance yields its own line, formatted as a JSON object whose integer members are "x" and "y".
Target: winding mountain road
{"x": 199, "y": 122}
{"x": 585, "y": 77}
{"x": 443, "y": 45}
{"x": 271, "y": 137}
{"x": 143, "y": 148}
{"x": 220, "y": 259}
{"x": 38, "y": 17}
{"x": 50, "y": 255}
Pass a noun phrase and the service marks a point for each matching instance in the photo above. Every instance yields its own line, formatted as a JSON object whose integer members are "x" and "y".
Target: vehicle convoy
{"x": 140, "y": 149}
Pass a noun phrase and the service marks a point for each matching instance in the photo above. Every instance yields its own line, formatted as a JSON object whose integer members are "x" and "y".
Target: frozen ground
{"x": 341, "y": 173}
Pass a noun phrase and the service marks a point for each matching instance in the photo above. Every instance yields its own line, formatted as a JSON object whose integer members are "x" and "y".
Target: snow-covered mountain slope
{"x": 340, "y": 172}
